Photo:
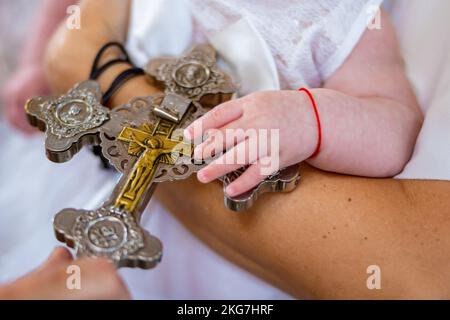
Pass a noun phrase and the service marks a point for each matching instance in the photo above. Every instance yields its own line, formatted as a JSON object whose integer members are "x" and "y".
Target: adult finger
{"x": 58, "y": 255}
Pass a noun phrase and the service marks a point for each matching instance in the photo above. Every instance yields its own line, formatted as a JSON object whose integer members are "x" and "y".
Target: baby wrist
{"x": 310, "y": 103}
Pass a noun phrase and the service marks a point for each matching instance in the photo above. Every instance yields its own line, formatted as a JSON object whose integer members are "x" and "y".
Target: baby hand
{"x": 265, "y": 131}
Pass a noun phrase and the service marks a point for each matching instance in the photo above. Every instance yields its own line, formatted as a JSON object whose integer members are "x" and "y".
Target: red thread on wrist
{"x": 319, "y": 126}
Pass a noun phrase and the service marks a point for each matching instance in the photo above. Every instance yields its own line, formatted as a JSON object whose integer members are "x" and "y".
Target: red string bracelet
{"x": 319, "y": 126}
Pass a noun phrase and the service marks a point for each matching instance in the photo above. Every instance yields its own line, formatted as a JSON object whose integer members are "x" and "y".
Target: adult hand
{"x": 98, "y": 280}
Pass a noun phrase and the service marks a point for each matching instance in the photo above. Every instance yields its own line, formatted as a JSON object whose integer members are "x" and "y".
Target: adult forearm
{"x": 71, "y": 52}
{"x": 370, "y": 136}
{"x": 319, "y": 240}
{"x": 48, "y": 18}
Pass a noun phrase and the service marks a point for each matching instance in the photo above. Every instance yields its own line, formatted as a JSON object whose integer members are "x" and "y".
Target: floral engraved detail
{"x": 109, "y": 232}
{"x": 77, "y": 111}
{"x": 193, "y": 75}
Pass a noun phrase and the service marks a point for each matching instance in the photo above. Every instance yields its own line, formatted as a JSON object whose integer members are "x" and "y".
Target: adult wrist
{"x": 113, "y": 69}
{"x": 134, "y": 87}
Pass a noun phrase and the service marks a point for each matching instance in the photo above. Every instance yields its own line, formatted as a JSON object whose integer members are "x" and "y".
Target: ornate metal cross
{"x": 153, "y": 146}
{"x": 142, "y": 140}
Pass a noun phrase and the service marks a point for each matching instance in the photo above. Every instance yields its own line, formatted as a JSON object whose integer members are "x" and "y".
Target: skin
{"x": 362, "y": 104}
{"x": 317, "y": 241}
{"x": 29, "y": 78}
{"x": 98, "y": 280}
{"x": 102, "y": 21}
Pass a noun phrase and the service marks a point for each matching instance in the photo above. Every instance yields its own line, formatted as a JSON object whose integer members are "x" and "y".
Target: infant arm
{"x": 369, "y": 113}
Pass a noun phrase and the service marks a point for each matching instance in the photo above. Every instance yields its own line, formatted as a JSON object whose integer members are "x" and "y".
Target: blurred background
{"x": 15, "y": 19}
{"x": 27, "y": 192}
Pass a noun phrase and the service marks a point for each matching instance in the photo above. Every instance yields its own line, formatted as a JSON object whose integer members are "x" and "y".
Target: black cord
{"x": 126, "y": 75}
{"x": 115, "y": 85}
{"x": 119, "y": 81}
{"x": 96, "y": 71}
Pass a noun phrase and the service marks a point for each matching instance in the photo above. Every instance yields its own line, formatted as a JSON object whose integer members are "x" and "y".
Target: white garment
{"x": 426, "y": 50}
{"x": 33, "y": 190}
{"x": 308, "y": 40}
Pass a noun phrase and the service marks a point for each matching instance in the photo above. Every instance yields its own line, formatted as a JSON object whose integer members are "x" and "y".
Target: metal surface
{"x": 111, "y": 230}
{"x": 193, "y": 76}
{"x": 70, "y": 121}
{"x": 108, "y": 232}
{"x": 153, "y": 145}
{"x": 173, "y": 107}
{"x": 283, "y": 181}
{"x": 196, "y": 75}
{"x": 143, "y": 140}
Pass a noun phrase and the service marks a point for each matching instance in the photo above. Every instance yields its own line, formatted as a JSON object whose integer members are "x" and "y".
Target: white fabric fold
{"x": 246, "y": 52}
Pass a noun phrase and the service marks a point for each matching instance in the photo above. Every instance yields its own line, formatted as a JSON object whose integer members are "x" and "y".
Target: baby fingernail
{"x": 187, "y": 133}
{"x": 202, "y": 176}
{"x": 230, "y": 191}
{"x": 198, "y": 153}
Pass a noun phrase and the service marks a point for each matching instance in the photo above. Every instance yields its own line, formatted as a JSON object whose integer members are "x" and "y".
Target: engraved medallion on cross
{"x": 143, "y": 141}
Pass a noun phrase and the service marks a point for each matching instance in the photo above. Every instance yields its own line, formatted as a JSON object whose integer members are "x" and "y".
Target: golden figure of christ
{"x": 152, "y": 147}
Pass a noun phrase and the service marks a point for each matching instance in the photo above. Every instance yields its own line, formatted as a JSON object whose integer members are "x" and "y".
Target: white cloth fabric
{"x": 426, "y": 49}
{"x": 307, "y": 40}
{"x": 33, "y": 189}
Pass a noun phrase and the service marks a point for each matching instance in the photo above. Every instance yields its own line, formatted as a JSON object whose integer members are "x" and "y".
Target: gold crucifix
{"x": 153, "y": 146}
